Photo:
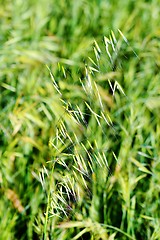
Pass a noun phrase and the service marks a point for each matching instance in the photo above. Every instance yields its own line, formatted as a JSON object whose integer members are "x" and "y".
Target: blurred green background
{"x": 66, "y": 39}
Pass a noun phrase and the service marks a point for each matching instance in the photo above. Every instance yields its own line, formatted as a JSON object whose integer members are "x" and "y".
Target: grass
{"x": 79, "y": 120}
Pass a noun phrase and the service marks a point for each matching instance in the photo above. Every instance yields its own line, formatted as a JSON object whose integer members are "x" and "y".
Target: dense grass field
{"x": 79, "y": 120}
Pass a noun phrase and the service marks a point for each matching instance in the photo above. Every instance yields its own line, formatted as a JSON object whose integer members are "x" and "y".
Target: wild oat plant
{"x": 92, "y": 185}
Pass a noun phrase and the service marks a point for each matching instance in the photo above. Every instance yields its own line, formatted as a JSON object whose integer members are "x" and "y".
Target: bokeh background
{"x": 48, "y": 44}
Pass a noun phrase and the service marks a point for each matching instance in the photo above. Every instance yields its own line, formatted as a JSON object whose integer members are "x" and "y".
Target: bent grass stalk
{"x": 72, "y": 153}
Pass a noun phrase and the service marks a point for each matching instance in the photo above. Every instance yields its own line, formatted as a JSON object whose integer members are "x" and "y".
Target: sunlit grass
{"x": 79, "y": 128}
